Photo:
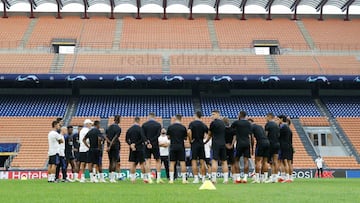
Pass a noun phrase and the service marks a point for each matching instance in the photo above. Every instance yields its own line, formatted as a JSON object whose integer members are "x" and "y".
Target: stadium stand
{"x": 32, "y": 133}
{"x": 48, "y": 28}
{"x": 314, "y": 121}
{"x": 106, "y": 106}
{"x": 218, "y": 64}
{"x": 345, "y": 65}
{"x": 351, "y": 127}
{"x": 25, "y": 63}
{"x": 298, "y": 65}
{"x": 334, "y": 34}
{"x": 31, "y": 105}
{"x": 12, "y": 31}
{"x": 341, "y": 162}
{"x": 174, "y": 33}
{"x": 79, "y": 121}
{"x": 114, "y": 63}
{"x": 93, "y": 35}
{"x": 343, "y": 106}
{"x": 292, "y": 106}
{"x": 234, "y": 34}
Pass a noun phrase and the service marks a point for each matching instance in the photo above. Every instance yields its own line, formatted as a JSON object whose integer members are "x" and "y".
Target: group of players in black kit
{"x": 228, "y": 144}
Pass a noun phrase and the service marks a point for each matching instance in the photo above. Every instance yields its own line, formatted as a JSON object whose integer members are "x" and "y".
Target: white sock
{"x": 203, "y": 178}
{"x": 158, "y": 175}
{"x": 112, "y": 176}
{"x": 49, "y": 177}
{"x": 76, "y": 175}
{"x": 132, "y": 176}
{"x": 257, "y": 176}
{"x": 149, "y": 175}
{"x": 245, "y": 176}
{"x": 183, "y": 175}
{"x": 82, "y": 176}
{"x": 171, "y": 174}
{"x": 196, "y": 177}
{"x": 262, "y": 177}
{"x": 266, "y": 175}
{"x": 101, "y": 176}
{"x": 91, "y": 176}
{"x": 226, "y": 176}
{"x": 287, "y": 176}
{"x": 213, "y": 176}
{"x": 143, "y": 175}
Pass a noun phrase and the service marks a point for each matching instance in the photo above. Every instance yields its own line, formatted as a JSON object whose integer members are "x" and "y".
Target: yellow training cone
{"x": 207, "y": 185}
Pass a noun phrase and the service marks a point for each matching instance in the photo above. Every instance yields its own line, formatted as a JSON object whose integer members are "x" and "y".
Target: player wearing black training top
{"x": 77, "y": 146}
{"x": 230, "y": 139}
{"x": 242, "y": 128}
{"x": 217, "y": 133}
{"x": 152, "y": 130}
{"x": 94, "y": 135}
{"x": 135, "y": 138}
{"x": 273, "y": 132}
{"x": 69, "y": 152}
{"x": 113, "y": 146}
{"x": 285, "y": 146}
{"x": 262, "y": 150}
{"x": 196, "y": 131}
{"x": 177, "y": 133}
{"x": 288, "y": 121}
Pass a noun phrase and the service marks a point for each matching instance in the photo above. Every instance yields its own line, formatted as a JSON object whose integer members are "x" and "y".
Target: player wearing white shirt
{"x": 164, "y": 143}
{"x": 62, "y": 160}
{"x": 83, "y": 156}
{"x": 319, "y": 165}
{"x": 54, "y": 139}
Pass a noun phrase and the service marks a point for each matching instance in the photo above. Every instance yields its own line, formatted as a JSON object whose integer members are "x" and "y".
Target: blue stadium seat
{"x": 343, "y": 106}
{"x": 33, "y": 105}
{"x": 106, "y": 106}
{"x": 293, "y": 106}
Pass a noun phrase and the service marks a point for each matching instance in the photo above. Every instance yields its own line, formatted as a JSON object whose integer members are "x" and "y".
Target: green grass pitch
{"x": 302, "y": 190}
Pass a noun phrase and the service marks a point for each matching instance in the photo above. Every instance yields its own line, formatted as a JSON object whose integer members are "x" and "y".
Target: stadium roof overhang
{"x": 318, "y": 5}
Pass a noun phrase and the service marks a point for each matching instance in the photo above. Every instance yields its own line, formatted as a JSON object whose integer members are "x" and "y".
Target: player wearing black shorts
{"x": 285, "y": 146}
{"x": 262, "y": 151}
{"x": 54, "y": 140}
{"x": 94, "y": 136}
{"x": 177, "y": 134}
{"x": 152, "y": 130}
{"x": 196, "y": 132}
{"x": 69, "y": 153}
{"x": 135, "y": 138}
{"x": 113, "y": 146}
{"x": 273, "y": 132}
{"x": 76, "y": 147}
{"x": 217, "y": 134}
{"x": 230, "y": 139}
{"x": 242, "y": 128}
{"x": 101, "y": 148}
{"x": 288, "y": 121}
